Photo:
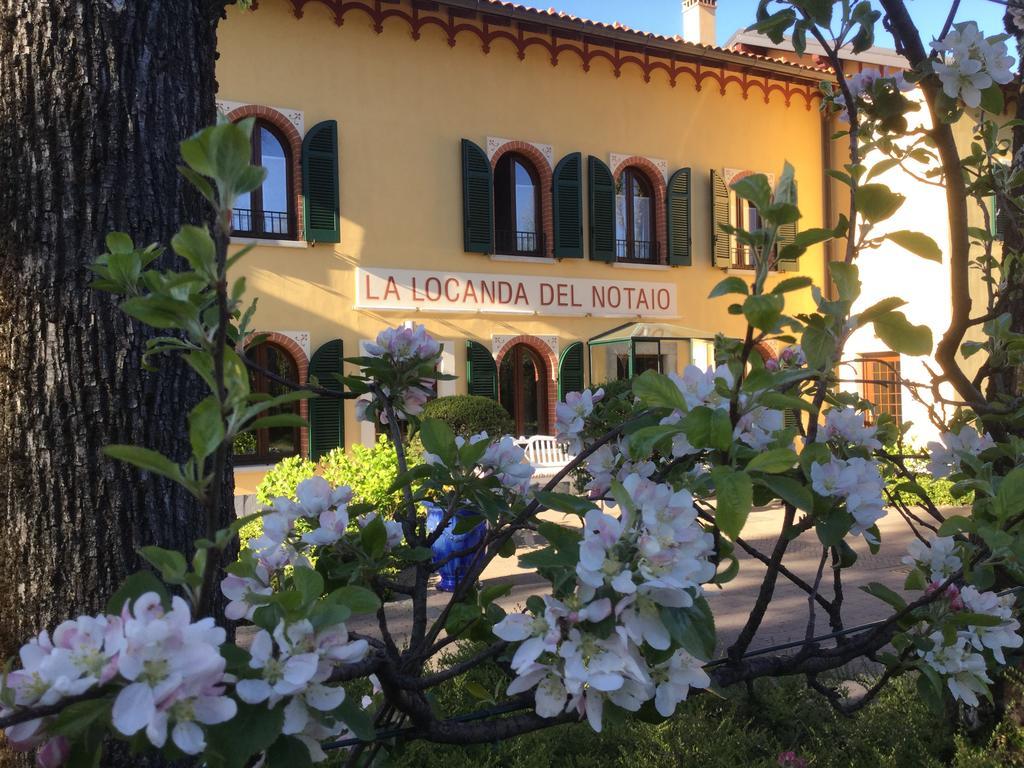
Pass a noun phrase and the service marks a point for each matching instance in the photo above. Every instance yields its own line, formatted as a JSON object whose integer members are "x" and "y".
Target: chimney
{"x": 699, "y": 21}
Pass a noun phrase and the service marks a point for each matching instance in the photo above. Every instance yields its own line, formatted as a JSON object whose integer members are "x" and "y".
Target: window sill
{"x": 630, "y": 265}
{"x": 254, "y": 467}
{"x": 269, "y": 242}
{"x": 524, "y": 259}
{"x": 748, "y": 271}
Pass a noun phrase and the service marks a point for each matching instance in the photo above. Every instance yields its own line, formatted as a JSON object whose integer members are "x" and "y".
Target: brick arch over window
{"x": 657, "y": 181}
{"x": 766, "y": 352}
{"x": 550, "y": 373}
{"x": 543, "y": 169}
{"x": 290, "y": 346}
{"x": 291, "y": 135}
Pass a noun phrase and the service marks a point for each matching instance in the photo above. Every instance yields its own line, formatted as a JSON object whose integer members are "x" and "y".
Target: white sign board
{"x": 426, "y": 290}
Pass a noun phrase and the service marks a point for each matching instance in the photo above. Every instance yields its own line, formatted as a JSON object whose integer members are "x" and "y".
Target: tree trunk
{"x": 94, "y": 97}
{"x": 1006, "y": 383}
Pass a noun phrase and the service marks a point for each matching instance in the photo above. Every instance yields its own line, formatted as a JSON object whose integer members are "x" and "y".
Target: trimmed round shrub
{"x": 468, "y": 415}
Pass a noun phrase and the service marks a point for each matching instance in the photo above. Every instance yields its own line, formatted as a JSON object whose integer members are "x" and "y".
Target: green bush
{"x": 368, "y": 471}
{"x": 938, "y": 490}
{"x": 468, "y": 415}
{"x": 709, "y": 731}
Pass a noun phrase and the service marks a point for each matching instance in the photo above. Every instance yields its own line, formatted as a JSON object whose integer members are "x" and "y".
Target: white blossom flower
{"x": 175, "y": 673}
{"x": 964, "y": 669}
{"x": 946, "y": 456}
{"x": 757, "y": 427}
{"x": 995, "y": 638}
{"x": 507, "y": 461}
{"x": 404, "y": 344}
{"x": 674, "y": 679}
{"x": 570, "y": 416}
{"x": 858, "y": 482}
{"x": 847, "y": 424}
{"x": 938, "y": 557}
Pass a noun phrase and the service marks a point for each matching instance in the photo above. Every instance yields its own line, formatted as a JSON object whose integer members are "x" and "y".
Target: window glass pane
{"x": 620, "y": 209}
{"x": 526, "y": 197}
{"x": 241, "y": 214}
{"x": 275, "y": 187}
{"x": 281, "y": 440}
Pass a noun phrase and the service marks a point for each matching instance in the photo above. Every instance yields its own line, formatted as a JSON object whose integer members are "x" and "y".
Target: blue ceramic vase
{"x": 454, "y": 570}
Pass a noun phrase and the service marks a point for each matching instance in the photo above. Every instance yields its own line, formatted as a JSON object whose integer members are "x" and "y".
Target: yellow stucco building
{"x": 518, "y": 181}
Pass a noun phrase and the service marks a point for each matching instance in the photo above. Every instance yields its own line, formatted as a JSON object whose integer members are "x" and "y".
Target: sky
{"x": 664, "y": 17}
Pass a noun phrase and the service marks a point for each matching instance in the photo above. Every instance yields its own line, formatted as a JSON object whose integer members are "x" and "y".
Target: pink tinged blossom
{"x": 240, "y": 592}
{"x": 53, "y": 753}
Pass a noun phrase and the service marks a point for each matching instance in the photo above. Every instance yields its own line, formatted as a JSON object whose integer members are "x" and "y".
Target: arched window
{"x": 269, "y": 210}
{"x": 634, "y": 218}
{"x": 517, "y": 228}
{"x": 270, "y": 444}
{"x": 523, "y": 390}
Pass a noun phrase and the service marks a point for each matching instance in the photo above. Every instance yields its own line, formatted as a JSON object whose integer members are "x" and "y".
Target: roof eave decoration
{"x": 558, "y": 33}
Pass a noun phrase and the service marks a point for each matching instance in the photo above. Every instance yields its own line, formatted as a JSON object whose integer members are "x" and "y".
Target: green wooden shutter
{"x": 320, "y": 206}
{"x": 677, "y": 214}
{"x": 567, "y": 205}
{"x": 481, "y": 372}
{"x": 477, "y": 200}
{"x": 787, "y": 234}
{"x": 602, "y": 210}
{"x": 570, "y": 370}
{"x": 1000, "y": 220}
{"x": 721, "y": 242}
{"x": 326, "y": 414}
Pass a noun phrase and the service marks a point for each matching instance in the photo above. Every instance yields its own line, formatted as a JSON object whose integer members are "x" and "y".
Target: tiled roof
{"x": 640, "y": 37}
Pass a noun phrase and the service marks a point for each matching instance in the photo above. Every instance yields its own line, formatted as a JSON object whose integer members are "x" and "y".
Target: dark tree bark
{"x": 1007, "y": 381}
{"x": 95, "y": 96}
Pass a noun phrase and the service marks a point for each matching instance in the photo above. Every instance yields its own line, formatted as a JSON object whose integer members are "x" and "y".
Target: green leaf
{"x": 478, "y": 692}
{"x": 308, "y": 583}
{"x": 439, "y": 440}
{"x": 160, "y": 311}
{"x": 278, "y": 420}
{"x": 902, "y": 336}
{"x": 356, "y": 718}
{"x": 917, "y": 243}
{"x": 721, "y": 429}
{"x": 879, "y": 308}
{"x": 489, "y": 594}
{"x": 734, "y": 493}
{"x": 692, "y": 628}
{"x": 205, "y": 428}
{"x": 656, "y": 390}
{"x": 144, "y": 458}
{"x": 288, "y": 752}
{"x": 169, "y": 562}
{"x": 136, "y": 585}
{"x": 754, "y": 188}
{"x": 374, "y": 537}
{"x": 846, "y": 278}
{"x": 881, "y": 167}
{"x": 253, "y": 729}
{"x": 357, "y": 599}
{"x": 876, "y": 202}
{"x": 833, "y": 527}
{"x": 565, "y": 502}
{"x": 731, "y": 284}
{"x": 819, "y": 346}
{"x": 1010, "y": 496}
{"x": 882, "y": 592}
{"x": 764, "y": 310}
{"x": 773, "y": 461}
{"x": 789, "y": 490}
{"x": 992, "y": 100}
{"x": 76, "y": 719}
{"x": 195, "y": 245}
{"x": 792, "y": 284}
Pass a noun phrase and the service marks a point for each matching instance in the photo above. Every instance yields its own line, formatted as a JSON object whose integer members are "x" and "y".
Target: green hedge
{"x": 368, "y": 471}
{"x": 708, "y": 731}
{"x": 468, "y": 415}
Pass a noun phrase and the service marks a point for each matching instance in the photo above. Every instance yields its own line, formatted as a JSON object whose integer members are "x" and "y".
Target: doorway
{"x": 523, "y": 390}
